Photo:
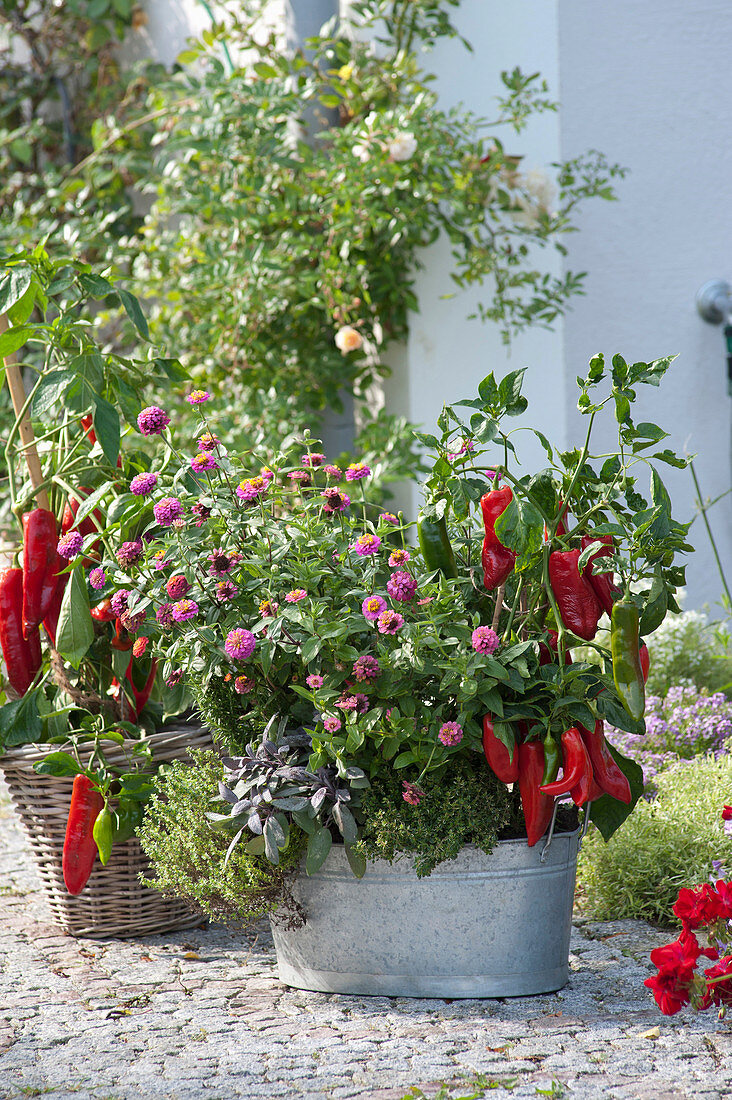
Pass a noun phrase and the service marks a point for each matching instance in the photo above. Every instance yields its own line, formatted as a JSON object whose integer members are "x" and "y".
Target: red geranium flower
{"x": 719, "y": 984}
{"x": 699, "y": 907}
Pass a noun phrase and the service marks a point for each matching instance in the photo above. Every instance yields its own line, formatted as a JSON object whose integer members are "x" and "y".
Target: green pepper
{"x": 102, "y": 833}
{"x": 127, "y": 817}
{"x": 435, "y": 545}
{"x": 552, "y": 759}
{"x": 627, "y": 668}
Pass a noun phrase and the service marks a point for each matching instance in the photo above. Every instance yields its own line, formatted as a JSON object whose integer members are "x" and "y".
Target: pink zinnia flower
{"x": 243, "y": 685}
{"x": 70, "y": 545}
{"x": 401, "y": 585}
{"x": 225, "y": 590}
{"x": 389, "y": 622}
{"x": 411, "y": 793}
{"x": 357, "y": 702}
{"x": 175, "y": 677}
{"x": 268, "y": 608}
{"x": 97, "y": 578}
{"x": 314, "y": 681}
{"x": 129, "y": 552}
{"x": 132, "y": 619}
{"x": 372, "y": 607}
{"x": 485, "y": 640}
{"x": 207, "y": 441}
{"x": 177, "y": 586}
{"x": 300, "y": 475}
{"x": 313, "y": 459}
{"x": 204, "y": 460}
{"x": 119, "y": 601}
{"x": 167, "y": 511}
{"x": 357, "y": 470}
{"x": 332, "y": 724}
{"x": 197, "y": 397}
{"x": 295, "y": 595}
{"x": 184, "y": 609}
{"x": 220, "y": 563}
{"x": 139, "y": 647}
{"x": 333, "y": 471}
{"x": 159, "y": 559}
{"x": 366, "y": 668}
{"x": 202, "y": 512}
{"x": 240, "y": 644}
{"x": 451, "y": 733}
{"x": 366, "y": 544}
{"x": 142, "y": 484}
{"x": 335, "y": 501}
{"x": 389, "y": 517}
{"x": 266, "y": 473}
{"x": 153, "y": 420}
{"x": 399, "y": 557}
{"x": 164, "y": 614}
{"x": 251, "y": 488}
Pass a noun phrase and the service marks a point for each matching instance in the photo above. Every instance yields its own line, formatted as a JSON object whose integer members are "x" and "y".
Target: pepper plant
{"x": 72, "y": 672}
{"x": 283, "y": 593}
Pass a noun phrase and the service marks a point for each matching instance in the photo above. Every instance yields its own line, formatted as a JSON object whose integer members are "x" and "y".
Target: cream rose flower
{"x": 348, "y": 339}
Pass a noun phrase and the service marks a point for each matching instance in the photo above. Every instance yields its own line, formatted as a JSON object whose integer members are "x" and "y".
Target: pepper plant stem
{"x": 703, "y": 510}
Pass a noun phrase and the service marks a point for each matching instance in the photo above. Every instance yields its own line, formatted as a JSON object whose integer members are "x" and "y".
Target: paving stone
{"x": 141, "y": 1020}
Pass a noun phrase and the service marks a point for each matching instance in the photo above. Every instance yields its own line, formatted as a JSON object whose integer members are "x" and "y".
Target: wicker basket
{"x": 113, "y": 903}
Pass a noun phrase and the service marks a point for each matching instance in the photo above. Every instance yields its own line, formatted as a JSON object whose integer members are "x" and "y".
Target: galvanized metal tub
{"x": 481, "y": 925}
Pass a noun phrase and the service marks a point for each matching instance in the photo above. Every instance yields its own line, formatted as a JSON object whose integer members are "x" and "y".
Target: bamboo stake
{"x": 25, "y": 428}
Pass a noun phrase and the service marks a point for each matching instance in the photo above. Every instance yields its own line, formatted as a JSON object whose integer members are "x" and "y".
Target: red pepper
{"x": 141, "y": 697}
{"x": 609, "y": 776}
{"x": 39, "y": 566}
{"x": 22, "y": 655}
{"x": 548, "y": 653}
{"x": 498, "y": 560}
{"x": 103, "y": 613}
{"x": 602, "y": 583}
{"x": 588, "y": 792}
{"x": 80, "y": 848}
{"x": 645, "y": 661}
{"x": 51, "y": 620}
{"x": 86, "y": 423}
{"x": 504, "y": 763}
{"x": 576, "y": 766}
{"x": 578, "y": 605}
{"x": 122, "y": 638}
{"x": 538, "y": 807}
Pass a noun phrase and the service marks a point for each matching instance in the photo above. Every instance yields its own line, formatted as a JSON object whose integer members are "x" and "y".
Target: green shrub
{"x": 664, "y": 844}
{"x": 684, "y": 651}
{"x": 187, "y": 855}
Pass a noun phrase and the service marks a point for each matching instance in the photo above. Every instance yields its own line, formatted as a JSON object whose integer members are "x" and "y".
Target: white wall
{"x": 169, "y": 24}
{"x": 650, "y": 84}
{"x": 446, "y": 355}
{"x": 647, "y": 84}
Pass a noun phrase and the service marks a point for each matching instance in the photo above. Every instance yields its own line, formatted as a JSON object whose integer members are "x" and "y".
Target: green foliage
{"x": 462, "y": 805}
{"x": 664, "y": 845}
{"x": 61, "y": 88}
{"x": 189, "y": 858}
{"x": 685, "y": 650}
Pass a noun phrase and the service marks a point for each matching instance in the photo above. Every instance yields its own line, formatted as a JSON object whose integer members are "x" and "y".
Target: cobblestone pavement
{"x": 200, "y": 1014}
